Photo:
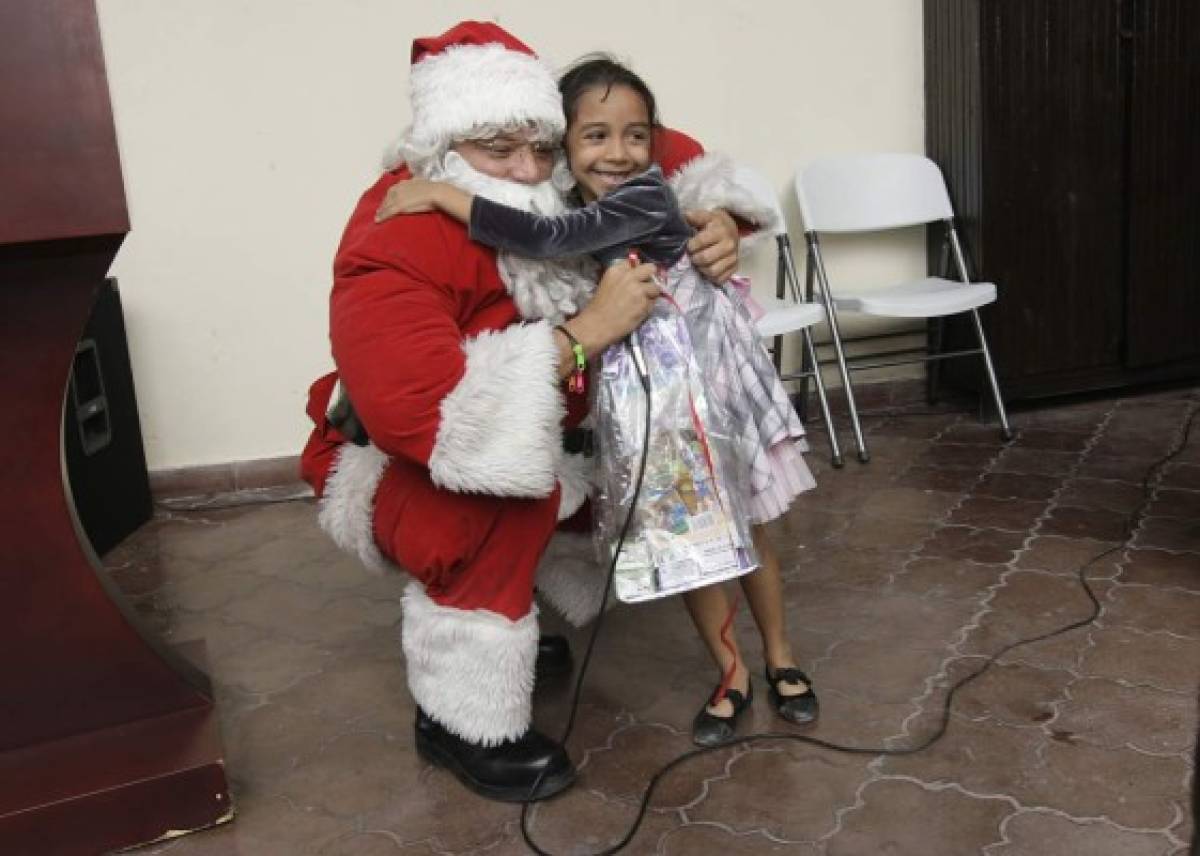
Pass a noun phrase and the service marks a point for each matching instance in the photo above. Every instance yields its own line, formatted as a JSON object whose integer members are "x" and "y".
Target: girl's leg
{"x": 764, "y": 591}
{"x": 709, "y": 608}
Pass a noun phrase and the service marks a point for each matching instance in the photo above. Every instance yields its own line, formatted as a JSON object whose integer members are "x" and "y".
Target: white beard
{"x": 540, "y": 198}
{"x": 546, "y": 289}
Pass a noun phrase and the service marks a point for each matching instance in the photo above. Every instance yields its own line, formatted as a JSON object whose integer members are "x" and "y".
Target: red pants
{"x": 469, "y": 551}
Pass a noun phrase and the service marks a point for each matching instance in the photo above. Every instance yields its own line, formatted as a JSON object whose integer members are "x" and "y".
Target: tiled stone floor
{"x": 900, "y": 577}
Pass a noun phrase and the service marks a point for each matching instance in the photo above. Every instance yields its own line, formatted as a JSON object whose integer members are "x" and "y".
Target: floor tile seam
{"x": 827, "y": 656}
{"x": 955, "y": 646}
{"x": 1015, "y": 803}
{"x": 1139, "y": 631}
{"x": 190, "y": 517}
{"x": 938, "y": 524}
{"x": 631, "y": 800}
{"x": 387, "y": 834}
{"x": 660, "y": 843}
{"x": 1174, "y": 551}
{"x": 269, "y": 694}
{"x": 756, "y": 832}
{"x": 175, "y": 604}
{"x": 294, "y": 805}
{"x": 1169, "y": 518}
{"x": 1004, "y": 823}
{"x": 1017, "y": 660}
{"x": 510, "y": 830}
{"x": 997, "y": 722}
{"x": 858, "y": 802}
{"x": 957, "y": 787}
{"x": 1160, "y": 468}
{"x": 222, "y": 619}
{"x": 349, "y": 591}
{"x": 221, "y": 610}
{"x": 1186, "y": 755}
{"x": 1160, "y": 631}
{"x": 933, "y": 682}
{"x": 986, "y": 608}
{"x": 1078, "y": 674}
{"x": 324, "y": 743}
{"x": 609, "y": 741}
{"x": 1053, "y": 504}
{"x": 726, "y": 774}
{"x": 1064, "y": 697}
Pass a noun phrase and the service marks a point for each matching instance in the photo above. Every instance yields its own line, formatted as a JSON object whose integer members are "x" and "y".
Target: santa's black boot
{"x": 505, "y": 772}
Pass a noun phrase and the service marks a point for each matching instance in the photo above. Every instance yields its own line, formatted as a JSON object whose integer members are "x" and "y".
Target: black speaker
{"x": 102, "y": 437}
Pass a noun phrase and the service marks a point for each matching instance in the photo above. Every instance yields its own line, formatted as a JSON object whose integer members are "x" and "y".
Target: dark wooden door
{"x": 1164, "y": 186}
{"x": 1052, "y": 163}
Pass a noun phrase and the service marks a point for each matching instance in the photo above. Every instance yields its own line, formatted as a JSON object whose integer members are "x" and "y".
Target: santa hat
{"x": 476, "y": 77}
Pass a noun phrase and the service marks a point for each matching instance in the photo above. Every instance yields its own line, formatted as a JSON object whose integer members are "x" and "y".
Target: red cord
{"x": 727, "y": 678}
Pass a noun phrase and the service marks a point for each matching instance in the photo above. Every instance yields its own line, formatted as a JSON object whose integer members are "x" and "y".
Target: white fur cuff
{"x": 500, "y": 431}
{"x": 346, "y": 509}
{"x": 471, "y": 670}
{"x": 710, "y": 181}
{"x": 575, "y": 477}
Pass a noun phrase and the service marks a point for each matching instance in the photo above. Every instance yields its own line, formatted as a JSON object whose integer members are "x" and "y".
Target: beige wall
{"x": 248, "y": 129}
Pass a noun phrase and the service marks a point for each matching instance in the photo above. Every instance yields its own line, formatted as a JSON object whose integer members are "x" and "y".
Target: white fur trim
{"x": 468, "y": 87}
{"x": 471, "y": 670}
{"x": 346, "y": 508}
{"x": 576, "y": 476}
{"x": 500, "y": 431}
{"x": 709, "y": 181}
{"x": 570, "y": 578}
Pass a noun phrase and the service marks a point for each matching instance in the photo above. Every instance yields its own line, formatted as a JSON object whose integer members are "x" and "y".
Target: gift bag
{"x": 689, "y": 527}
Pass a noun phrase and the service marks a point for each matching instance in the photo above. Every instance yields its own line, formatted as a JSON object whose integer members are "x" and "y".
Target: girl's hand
{"x": 714, "y": 248}
{"x": 415, "y": 196}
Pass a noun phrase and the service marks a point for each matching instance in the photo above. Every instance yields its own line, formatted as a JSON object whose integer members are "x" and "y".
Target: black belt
{"x": 578, "y": 441}
{"x": 342, "y": 417}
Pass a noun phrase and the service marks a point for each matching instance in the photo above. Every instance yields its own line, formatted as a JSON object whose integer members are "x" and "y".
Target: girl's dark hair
{"x": 604, "y": 72}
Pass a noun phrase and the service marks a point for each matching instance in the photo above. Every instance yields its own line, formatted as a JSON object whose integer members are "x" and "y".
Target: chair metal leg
{"x": 823, "y": 399}
{"x": 1005, "y": 430}
{"x": 783, "y": 284}
{"x": 814, "y": 251}
{"x": 961, "y": 263}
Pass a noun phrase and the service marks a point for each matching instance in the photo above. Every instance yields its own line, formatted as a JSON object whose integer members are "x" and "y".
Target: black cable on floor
{"x": 1132, "y": 522}
{"x": 612, "y": 568}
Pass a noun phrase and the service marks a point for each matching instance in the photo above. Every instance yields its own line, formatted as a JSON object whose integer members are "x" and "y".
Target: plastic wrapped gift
{"x": 689, "y": 527}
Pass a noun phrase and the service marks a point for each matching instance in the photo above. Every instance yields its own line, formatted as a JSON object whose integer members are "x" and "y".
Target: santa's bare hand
{"x": 414, "y": 196}
{"x": 714, "y": 248}
{"x": 623, "y": 299}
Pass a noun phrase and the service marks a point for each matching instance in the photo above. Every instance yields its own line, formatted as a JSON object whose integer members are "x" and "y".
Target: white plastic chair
{"x": 875, "y": 192}
{"x": 782, "y": 315}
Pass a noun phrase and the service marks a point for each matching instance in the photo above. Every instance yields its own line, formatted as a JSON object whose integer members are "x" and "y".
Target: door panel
{"x": 1053, "y": 161}
{"x": 1164, "y": 186}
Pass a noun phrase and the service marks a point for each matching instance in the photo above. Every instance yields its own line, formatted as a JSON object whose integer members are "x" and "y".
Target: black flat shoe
{"x": 553, "y": 657}
{"x": 797, "y": 709}
{"x": 711, "y": 730}
{"x": 506, "y": 772}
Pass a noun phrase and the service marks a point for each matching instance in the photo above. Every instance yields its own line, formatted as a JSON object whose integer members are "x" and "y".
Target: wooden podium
{"x": 107, "y": 738}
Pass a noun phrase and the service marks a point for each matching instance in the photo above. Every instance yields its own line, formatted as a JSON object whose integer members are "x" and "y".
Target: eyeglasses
{"x": 503, "y": 148}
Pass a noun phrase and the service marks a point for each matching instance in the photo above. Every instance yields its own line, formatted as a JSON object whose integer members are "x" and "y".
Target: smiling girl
{"x": 626, "y": 205}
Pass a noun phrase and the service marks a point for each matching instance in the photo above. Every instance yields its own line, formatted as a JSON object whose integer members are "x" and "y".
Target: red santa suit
{"x": 448, "y": 355}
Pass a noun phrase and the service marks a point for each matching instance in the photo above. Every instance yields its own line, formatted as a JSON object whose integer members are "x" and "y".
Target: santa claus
{"x": 444, "y": 453}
